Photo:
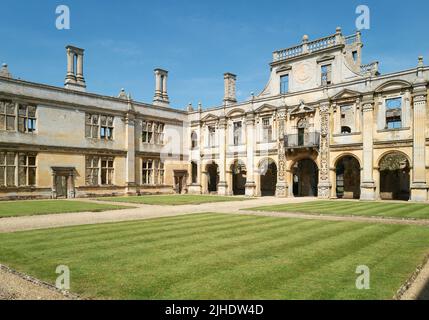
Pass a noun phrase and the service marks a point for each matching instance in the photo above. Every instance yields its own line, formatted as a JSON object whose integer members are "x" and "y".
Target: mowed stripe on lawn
{"x": 222, "y": 256}
{"x": 39, "y": 207}
{"x": 357, "y": 208}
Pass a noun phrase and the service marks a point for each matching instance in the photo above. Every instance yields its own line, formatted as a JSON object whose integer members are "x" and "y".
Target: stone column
{"x": 204, "y": 181}
{"x": 70, "y": 66}
{"x": 79, "y": 68}
{"x": 324, "y": 187}
{"x": 250, "y": 154}
{"x": 368, "y": 184}
{"x": 222, "y": 186}
{"x": 130, "y": 168}
{"x": 333, "y": 178}
{"x": 418, "y": 186}
{"x": 282, "y": 186}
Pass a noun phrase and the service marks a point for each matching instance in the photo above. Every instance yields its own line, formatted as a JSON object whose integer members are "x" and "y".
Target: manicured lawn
{"x": 221, "y": 256}
{"x": 361, "y": 208}
{"x": 30, "y": 208}
{"x": 173, "y": 199}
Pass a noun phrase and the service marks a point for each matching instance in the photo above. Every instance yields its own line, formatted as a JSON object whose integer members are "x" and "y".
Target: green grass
{"x": 30, "y": 208}
{"x": 172, "y": 199}
{"x": 361, "y": 208}
{"x": 222, "y": 256}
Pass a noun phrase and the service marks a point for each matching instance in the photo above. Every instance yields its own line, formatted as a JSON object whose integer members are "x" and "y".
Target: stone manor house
{"x": 325, "y": 125}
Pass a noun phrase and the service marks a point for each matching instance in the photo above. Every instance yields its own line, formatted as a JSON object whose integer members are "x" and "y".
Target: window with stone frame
{"x": 92, "y": 125}
{"x": 267, "y": 130}
{"x": 147, "y": 171}
{"x": 7, "y": 169}
{"x": 393, "y": 113}
{"x": 194, "y": 140}
{"x": 237, "y": 132}
{"x": 7, "y": 115}
{"x": 107, "y": 170}
{"x": 160, "y": 172}
{"x": 284, "y": 84}
{"x": 106, "y": 127}
{"x": 92, "y": 164}
{"x": 153, "y": 172}
{"x": 153, "y": 132}
{"x": 26, "y": 169}
{"x": 212, "y": 136}
{"x": 26, "y": 118}
{"x": 99, "y": 126}
{"x": 326, "y": 74}
{"x": 158, "y": 132}
{"x": 347, "y": 119}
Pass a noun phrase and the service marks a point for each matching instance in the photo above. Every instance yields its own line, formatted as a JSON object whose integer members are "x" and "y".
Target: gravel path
{"x": 15, "y": 287}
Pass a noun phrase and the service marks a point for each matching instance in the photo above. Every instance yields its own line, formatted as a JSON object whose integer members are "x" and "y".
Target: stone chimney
{"x": 74, "y": 78}
{"x": 161, "y": 96}
{"x": 229, "y": 82}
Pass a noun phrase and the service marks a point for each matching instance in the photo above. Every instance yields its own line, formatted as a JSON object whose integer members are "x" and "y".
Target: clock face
{"x": 303, "y": 72}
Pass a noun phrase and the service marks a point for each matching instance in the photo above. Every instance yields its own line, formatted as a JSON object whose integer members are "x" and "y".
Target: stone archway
{"x": 239, "y": 172}
{"x": 305, "y": 178}
{"x": 212, "y": 170}
{"x": 268, "y": 177}
{"x": 347, "y": 172}
{"x": 394, "y": 177}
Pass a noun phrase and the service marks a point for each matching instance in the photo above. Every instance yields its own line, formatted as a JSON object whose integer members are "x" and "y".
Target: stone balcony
{"x": 309, "y": 141}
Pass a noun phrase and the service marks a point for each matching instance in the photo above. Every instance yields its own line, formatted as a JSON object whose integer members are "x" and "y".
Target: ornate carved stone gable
{"x": 266, "y": 108}
{"x": 393, "y": 85}
{"x": 302, "y": 109}
{"x": 209, "y": 118}
{"x": 284, "y": 68}
{"x": 235, "y": 113}
{"x": 346, "y": 94}
{"x": 325, "y": 58}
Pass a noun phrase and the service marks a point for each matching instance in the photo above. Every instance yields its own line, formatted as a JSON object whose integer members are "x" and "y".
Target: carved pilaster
{"x": 419, "y": 186}
{"x": 324, "y": 187}
{"x": 281, "y": 187}
{"x": 368, "y": 184}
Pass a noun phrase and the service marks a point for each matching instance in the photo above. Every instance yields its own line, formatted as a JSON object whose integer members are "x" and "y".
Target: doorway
{"x": 180, "y": 181}
{"x": 305, "y": 178}
{"x": 63, "y": 186}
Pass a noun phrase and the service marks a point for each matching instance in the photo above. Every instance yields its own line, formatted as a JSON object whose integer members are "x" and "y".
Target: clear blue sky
{"x": 197, "y": 41}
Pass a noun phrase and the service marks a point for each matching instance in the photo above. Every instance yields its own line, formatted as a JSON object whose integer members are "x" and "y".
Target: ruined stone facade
{"x": 325, "y": 125}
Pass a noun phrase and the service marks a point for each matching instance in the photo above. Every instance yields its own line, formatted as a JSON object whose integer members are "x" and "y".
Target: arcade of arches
{"x": 394, "y": 177}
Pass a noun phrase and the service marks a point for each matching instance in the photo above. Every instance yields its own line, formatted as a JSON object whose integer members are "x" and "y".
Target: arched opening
{"x": 194, "y": 140}
{"x": 194, "y": 173}
{"x": 238, "y": 177}
{"x": 346, "y": 130}
{"x": 268, "y": 174}
{"x": 305, "y": 178}
{"x": 213, "y": 177}
{"x": 394, "y": 177}
{"x": 348, "y": 178}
